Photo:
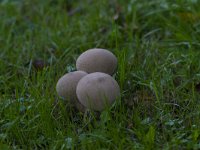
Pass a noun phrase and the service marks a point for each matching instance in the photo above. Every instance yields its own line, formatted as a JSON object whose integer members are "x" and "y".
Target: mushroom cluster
{"x": 92, "y": 86}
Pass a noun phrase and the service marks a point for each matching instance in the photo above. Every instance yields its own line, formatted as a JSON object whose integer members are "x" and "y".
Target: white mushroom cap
{"x": 97, "y": 90}
{"x": 66, "y": 87}
{"x": 97, "y": 60}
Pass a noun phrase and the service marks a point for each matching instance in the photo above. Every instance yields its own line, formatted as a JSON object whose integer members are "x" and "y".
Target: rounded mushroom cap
{"x": 66, "y": 87}
{"x": 97, "y": 60}
{"x": 97, "y": 90}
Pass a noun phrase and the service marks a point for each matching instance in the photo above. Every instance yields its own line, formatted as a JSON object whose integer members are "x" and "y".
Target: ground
{"x": 157, "y": 46}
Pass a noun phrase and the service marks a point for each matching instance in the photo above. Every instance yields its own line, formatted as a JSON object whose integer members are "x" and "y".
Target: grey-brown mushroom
{"x": 66, "y": 87}
{"x": 97, "y": 60}
{"x": 97, "y": 90}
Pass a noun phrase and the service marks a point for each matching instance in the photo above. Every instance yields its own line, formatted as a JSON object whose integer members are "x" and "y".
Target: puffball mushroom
{"x": 97, "y": 60}
{"x": 97, "y": 90}
{"x": 66, "y": 87}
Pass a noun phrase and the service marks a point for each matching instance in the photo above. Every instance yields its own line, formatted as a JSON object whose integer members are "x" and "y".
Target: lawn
{"x": 157, "y": 44}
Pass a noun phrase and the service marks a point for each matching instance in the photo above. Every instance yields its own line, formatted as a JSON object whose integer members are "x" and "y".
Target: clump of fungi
{"x": 92, "y": 86}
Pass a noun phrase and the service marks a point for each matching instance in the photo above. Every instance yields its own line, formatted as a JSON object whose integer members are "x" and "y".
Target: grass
{"x": 157, "y": 45}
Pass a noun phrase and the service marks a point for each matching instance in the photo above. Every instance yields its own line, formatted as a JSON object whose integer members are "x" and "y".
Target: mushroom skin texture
{"x": 66, "y": 88}
{"x": 97, "y": 60}
{"x": 97, "y": 90}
